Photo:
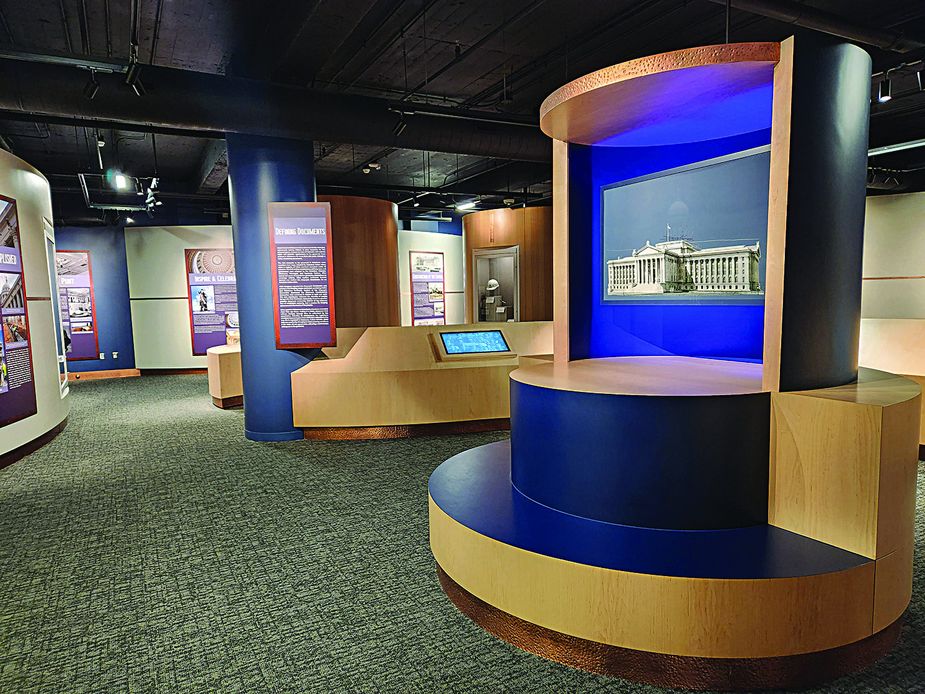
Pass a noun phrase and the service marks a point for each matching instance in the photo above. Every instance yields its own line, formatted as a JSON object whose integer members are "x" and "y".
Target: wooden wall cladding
{"x": 365, "y": 236}
{"x": 530, "y": 228}
{"x": 843, "y": 463}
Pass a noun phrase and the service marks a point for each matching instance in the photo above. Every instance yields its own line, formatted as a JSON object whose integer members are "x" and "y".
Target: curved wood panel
{"x": 640, "y": 92}
{"x": 667, "y": 376}
{"x": 713, "y": 618}
{"x": 365, "y": 261}
{"x": 530, "y": 228}
{"x": 672, "y": 671}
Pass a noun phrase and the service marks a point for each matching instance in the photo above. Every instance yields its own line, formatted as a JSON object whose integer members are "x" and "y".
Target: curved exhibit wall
{"x": 528, "y": 228}
{"x": 24, "y": 184}
{"x": 365, "y": 240}
{"x": 641, "y": 327}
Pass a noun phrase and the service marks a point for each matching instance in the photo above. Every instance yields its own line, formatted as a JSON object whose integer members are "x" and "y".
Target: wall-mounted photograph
{"x": 694, "y": 234}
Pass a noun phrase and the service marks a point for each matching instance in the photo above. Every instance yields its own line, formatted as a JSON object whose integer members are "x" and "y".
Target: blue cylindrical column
{"x": 263, "y": 170}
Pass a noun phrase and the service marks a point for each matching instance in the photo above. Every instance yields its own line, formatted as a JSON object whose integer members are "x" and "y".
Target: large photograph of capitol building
{"x": 690, "y": 234}
{"x": 679, "y": 266}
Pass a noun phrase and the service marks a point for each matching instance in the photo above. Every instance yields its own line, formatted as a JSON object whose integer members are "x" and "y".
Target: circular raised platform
{"x": 738, "y": 608}
{"x": 691, "y": 95}
{"x": 661, "y": 442}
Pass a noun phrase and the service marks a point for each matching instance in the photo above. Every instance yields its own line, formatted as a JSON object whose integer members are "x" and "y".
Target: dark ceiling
{"x": 500, "y": 57}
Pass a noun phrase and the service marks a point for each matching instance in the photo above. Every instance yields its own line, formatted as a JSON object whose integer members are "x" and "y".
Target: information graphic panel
{"x": 213, "y": 298}
{"x": 78, "y": 305}
{"x": 302, "y": 268}
{"x": 428, "y": 303}
{"x": 474, "y": 342}
{"x": 17, "y": 384}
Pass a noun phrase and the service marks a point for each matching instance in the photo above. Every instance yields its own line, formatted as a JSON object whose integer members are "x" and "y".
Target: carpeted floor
{"x": 151, "y": 548}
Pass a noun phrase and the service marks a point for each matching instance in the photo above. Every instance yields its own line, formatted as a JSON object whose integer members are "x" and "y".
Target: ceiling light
{"x": 509, "y": 201}
{"x": 366, "y": 169}
{"x": 885, "y": 90}
{"x": 374, "y": 165}
{"x": 100, "y": 142}
{"x": 415, "y": 204}
{"x": 120, "y": 181}
{"x": 129, "y": 220}
{"x": 468, "y": 205}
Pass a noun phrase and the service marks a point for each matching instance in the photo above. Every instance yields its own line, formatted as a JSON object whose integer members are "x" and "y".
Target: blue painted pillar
{"x": 263, "y": 170}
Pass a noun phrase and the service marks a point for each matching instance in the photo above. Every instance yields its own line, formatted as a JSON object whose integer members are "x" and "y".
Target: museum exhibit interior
{"x": 456, "y": 346}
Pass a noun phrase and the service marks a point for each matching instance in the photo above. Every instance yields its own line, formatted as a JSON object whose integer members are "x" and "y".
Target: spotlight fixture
{"x": 366, "y": 169}
{"x": 129, "y": 220}
{"x": 885, "y": 90}
{"x": 468, "y": 205}
{"x": 100, "y": 142}
{"x": 509, "y": 201}
{"x": 415, "y": 204}
{"x": 92, "y": 88}
{"x": 374, "y": 165}
{"x": 133, "y": 77}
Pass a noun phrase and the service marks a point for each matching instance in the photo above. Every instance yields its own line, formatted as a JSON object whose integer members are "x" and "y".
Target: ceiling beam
{"x": 213, "y": 167}
{"x": 184, "y": 100}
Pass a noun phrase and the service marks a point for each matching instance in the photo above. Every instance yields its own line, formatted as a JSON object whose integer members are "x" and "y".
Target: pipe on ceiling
{"x": 182, "y": 100}
{"x": 810, "y": 18}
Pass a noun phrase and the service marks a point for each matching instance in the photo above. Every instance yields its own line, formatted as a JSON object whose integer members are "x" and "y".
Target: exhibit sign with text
{"x": 17, "y": 382}
{"x": 428, "y": 301}
{"x": 78, "y": 304}
{"x": 302, "y": 271}
{"x": 213, "y": 298}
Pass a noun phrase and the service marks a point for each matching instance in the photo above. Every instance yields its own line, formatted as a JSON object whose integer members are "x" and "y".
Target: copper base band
{"x": 228, "y": 403}
{"x": 405, "y": 431}
{"x": 682, "y": 672}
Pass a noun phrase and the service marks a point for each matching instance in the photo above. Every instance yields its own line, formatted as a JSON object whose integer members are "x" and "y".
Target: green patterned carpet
{"x": 150, "y": 548}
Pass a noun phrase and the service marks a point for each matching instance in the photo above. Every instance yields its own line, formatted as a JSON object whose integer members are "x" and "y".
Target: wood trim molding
{"x": 777, "y": 216}
{"x": 560, "y": 251}
{"x": 99, "y": 375}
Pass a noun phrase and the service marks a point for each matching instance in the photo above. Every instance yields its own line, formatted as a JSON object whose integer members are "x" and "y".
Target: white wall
{"x": 18, "y": 180}
{"x": 893, "y": 298}
{"x": 158, "y": 291}
{"x": 452, "y": 248}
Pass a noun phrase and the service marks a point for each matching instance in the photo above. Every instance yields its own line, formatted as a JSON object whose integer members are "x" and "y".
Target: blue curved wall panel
{"x": 599, "y": 330}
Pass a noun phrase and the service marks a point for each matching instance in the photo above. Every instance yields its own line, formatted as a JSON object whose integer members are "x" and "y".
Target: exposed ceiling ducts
{"x": 213, "y": 104}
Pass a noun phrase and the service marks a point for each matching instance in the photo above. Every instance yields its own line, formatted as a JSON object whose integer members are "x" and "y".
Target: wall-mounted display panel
{"x": 692, "y": 234}
{"x": 77, "y": 302}
{"x": 302, "y": 272}
{"x": 213, "y": 298}
{"x": 428, "y": 288}
{"x": 17, "y": 383}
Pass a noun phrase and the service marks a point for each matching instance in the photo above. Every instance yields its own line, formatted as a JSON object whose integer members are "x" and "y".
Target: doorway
{"x": 496, "y": 274}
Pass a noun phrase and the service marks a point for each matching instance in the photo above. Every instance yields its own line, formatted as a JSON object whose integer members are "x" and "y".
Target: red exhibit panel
{"x": 17, "y": 381}
{"x": 213, "y": 298}
{"x": 78, "y": 305}
{"x": 302, "y": 271}
{"x": 428, "y": 288}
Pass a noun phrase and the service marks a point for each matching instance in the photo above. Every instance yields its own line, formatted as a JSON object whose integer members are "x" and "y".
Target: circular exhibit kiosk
{"x": 701, "y": 489}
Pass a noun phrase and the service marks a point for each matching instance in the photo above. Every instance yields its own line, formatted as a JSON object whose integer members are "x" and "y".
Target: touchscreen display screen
{"x": 474, "y": 342}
